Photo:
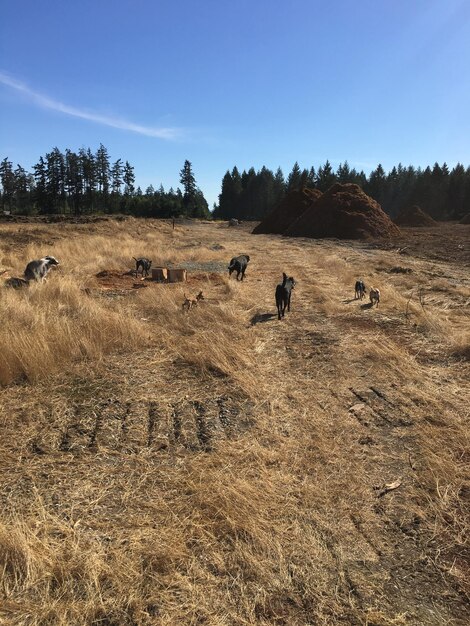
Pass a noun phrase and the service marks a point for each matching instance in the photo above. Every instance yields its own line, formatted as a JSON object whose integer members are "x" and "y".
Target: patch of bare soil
{"x": 118, "y": 280}
{"x": 447, "y": 241}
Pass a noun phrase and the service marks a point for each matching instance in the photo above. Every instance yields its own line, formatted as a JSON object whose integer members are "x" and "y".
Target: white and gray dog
{"x": 38, "y": 269}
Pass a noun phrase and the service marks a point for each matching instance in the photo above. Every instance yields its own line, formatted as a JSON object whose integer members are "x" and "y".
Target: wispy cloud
{"x": 49, "y": 103}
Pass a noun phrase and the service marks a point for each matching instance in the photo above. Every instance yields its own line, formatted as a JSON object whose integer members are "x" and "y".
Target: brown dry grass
{"x": 222, "y": 467}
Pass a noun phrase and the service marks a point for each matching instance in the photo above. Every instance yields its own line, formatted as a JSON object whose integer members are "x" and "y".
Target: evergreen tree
{"x": 7, "y": 178}
{"x": 376, "y": 185}
{"x": 311, "y": 178}
{"x": 304, "y": 179}
{"x": 230, "y": 196}
{"x": 117, "y": 171}
{"x": 40, "y": 190}
{"x": 279, "y": 186}
{"x": 103, "y": 173}
{"x": 200, "y": 206}
{"x": 456, "y": 192}
{"x": 343, "y": 173}
{"x": 294, "y": 180}
{"x": 87, "y": 165}
{"x": 187, "y": 179}
{"x": 73, "y": 181}
{"x": 128, "y": 178}
{"x": 439, "y": 183}
{"x": 189, "y": 185}
{"x": 55, "y": 181}
{"x": 325, "y": 177}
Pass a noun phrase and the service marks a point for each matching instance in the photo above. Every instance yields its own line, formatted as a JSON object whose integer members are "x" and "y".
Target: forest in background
{"x": 86, "y": 182}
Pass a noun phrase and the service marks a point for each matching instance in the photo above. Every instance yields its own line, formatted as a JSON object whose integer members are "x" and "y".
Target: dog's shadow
{"x": 349, "y": 301}
{"x": 259, "y": 318}
{"x": 367, "y": 305}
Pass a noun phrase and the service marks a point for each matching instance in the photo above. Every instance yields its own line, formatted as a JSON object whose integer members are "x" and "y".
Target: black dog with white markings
{"x": 283, "y": 295}
{"x": 238, "y": 264}
{"x": 143, "y": 263}
{"x": 39, "y": 268}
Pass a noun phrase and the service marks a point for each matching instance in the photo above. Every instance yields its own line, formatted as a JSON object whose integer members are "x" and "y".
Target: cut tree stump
{"x": 177, "y": 276}
{"x": 160, "y": 274}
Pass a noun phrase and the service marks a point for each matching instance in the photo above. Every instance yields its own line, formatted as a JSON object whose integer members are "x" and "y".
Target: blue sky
{"x": 247, "y": 83}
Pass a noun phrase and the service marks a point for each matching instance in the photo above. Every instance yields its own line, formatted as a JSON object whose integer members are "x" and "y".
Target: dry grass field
{"x": 221, "y": 467}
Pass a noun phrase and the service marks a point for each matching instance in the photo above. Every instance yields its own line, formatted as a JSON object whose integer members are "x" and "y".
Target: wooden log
{"x": 177, "y": 275}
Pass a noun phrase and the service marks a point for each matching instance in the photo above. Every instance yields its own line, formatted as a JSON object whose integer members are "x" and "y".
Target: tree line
{"x": 87, "y": 182}
{"x": 440, "y": 192}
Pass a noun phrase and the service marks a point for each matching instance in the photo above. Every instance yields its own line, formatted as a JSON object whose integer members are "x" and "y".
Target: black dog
{"x": 283, "y": 295}
{"x": 359, "y": 290}
{"x": 238, "y": 264}
{"x": 143, "y": 263}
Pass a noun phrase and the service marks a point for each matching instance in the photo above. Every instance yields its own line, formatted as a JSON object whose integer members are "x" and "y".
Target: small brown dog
{"x": 190, "y": 303}
{"x": 374, "y": 296}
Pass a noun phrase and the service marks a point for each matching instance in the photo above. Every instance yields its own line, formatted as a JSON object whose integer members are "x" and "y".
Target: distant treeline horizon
{"x": 87, "y": 182}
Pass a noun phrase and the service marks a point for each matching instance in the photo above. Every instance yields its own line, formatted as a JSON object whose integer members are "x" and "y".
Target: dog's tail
{"x": 231, "y": 264}
{"x": 284, "y": 279}
{"x": 134, "y": 259}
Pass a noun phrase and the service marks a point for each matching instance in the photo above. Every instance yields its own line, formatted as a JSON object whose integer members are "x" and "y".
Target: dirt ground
{"x": 448, "y": 241}
{"x": 239, "y": 469}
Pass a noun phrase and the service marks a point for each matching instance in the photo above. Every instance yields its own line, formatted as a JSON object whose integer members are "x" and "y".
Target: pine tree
{"x": 189, "y": 185}
{"x": 87, "y": 165}
{"x": 116, "y": 176}
{"x": 55, "y": 180}
{"x": 128, "y": 178}
{"x": 325, "y": 177}
{"x": 294, "y": 178}
{"x": 376, "y": 186}
{"x": 279, "y": 187}
{"x": 230, "y": 196}
{"x": 103, "y": 173}
{"x": 7, "y": 179}
{"x": 73, "y": 180}
{"x": 456, "y": 192}
{"x": 311, "y": 178}
{"x": 343, "y": 173}
{"x": 40, "y": 191}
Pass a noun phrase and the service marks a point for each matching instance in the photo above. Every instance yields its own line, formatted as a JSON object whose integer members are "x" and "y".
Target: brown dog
{"x": 374, "y": 296}
{"x": 190, "y": 303}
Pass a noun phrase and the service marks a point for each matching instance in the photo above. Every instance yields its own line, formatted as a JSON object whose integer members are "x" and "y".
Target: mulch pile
{"x": 414, "y": 216}
{"x": 344, "y": 212}
{"x": 287, "y": 211}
